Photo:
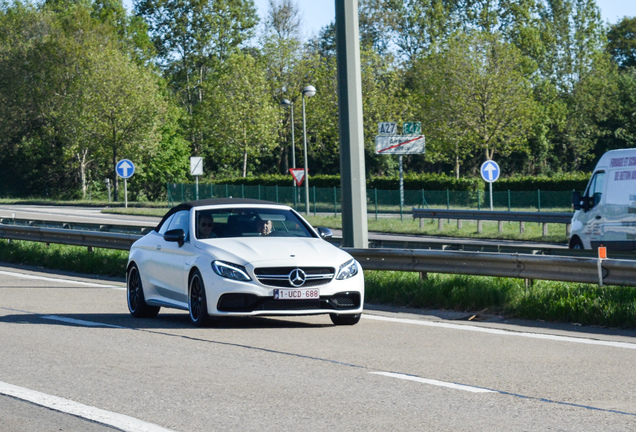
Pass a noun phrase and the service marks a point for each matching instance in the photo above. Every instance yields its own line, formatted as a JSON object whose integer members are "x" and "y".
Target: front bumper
{"x": 239, "y": 303}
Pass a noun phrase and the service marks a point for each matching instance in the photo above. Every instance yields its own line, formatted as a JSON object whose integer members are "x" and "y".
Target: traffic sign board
{"x": 399, "y": 144}
{"x": 387, "y": 128}
{"x": 412, "y": 128}
{"x": 196, "y": 166}
{"x": 298, "y": 174}
{"x": 125, "y": 168}
{"x": 490, "y": 171}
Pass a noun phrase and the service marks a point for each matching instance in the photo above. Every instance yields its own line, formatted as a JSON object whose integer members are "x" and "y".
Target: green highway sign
{"x": 412, "y": 128}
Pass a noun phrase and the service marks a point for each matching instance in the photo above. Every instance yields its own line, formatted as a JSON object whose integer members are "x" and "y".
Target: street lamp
{"x": 308, "y": 91}
{"x": 289, "y": 104}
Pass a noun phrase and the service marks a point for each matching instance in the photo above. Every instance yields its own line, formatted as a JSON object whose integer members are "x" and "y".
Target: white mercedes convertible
{"x": 237, "y": 257}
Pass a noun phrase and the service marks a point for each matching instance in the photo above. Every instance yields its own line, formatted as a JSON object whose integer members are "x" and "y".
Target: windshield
{"x": 249, "y": 222}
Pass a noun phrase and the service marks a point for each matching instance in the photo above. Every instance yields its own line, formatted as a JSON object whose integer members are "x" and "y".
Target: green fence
{"x": 328, "y": 200}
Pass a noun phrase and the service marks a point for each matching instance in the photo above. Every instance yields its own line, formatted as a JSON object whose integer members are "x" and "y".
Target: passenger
{"x": 264, "y": 227}
{"x": 206, "y": 224}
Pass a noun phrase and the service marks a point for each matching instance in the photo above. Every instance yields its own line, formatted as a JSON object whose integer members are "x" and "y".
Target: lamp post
{"x": 289, "y": 104}
{"x": 308, "y": 91}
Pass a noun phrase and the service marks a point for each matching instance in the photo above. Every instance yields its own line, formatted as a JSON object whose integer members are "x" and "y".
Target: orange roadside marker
{"x": 602, "y": 252}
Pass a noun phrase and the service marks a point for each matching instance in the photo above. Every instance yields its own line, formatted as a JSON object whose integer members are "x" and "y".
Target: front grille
{"x": 279, "y": 276}
{"x": 250, "y": 303}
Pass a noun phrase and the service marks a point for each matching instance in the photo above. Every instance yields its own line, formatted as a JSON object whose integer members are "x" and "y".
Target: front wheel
{"x": 197, "y": 301}
{"x": 576, "y": 243}
{"x": 345, "y": 319}
{"x": 136, "y": 301}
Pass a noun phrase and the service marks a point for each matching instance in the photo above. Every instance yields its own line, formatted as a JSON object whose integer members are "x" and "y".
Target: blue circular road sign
{"x": 125, "y": 168}
{"x": 490, "y": 171}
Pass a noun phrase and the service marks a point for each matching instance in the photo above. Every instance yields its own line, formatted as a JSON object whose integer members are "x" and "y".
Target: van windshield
{"x": 595, "y": 188}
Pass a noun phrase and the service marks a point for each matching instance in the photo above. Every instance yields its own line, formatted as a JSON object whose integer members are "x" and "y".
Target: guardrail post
{"x": 568, "y": 228}
{"x": 315, "y": 205}
{"x": 500, "y": 226}
{"x": 545, "y": 229}
{"x": 480, "y": 226}
{"x": 440, "y": 224}
{"x": 522, "y": 227}
{"x": 459, "y": 224}
{"x": 375, "y": 191}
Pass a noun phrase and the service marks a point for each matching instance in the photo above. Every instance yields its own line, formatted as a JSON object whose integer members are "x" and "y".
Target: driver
{"x": 205, "y": 226}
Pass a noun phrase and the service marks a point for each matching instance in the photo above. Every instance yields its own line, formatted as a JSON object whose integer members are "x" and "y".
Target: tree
{"x": 192, "y": 38}
{"x": 622, "y": 42}
{"x": 282, "y": 56}
{"x": 238, "y": 116}
{"x": 477, "y": 96}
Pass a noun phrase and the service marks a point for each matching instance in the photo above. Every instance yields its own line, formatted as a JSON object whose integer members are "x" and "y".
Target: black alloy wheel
{"x": 197, "y": 301}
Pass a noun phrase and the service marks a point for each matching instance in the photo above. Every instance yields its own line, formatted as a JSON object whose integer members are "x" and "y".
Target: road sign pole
{"x": 490, "y": 184}
{"x": 351, "y": 130}
{"x": 401, "y": 182}
{"x": 126, "y": 193}
{"x": 197, "y": 186}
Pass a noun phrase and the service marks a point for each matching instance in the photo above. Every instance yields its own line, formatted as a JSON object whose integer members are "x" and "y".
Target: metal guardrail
{"x": 493, "y": 215}
{"x": 85, "y": 226}
{"x": 90, "y": 239}
{"x": 524, "y": 266}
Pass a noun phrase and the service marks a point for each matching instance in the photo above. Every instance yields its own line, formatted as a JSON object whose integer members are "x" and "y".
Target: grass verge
{"x": 544, "y": 300}
{"x": 607, "y": 306}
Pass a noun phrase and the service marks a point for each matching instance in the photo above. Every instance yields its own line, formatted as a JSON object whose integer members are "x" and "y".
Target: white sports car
{"x": 237, "y": 257}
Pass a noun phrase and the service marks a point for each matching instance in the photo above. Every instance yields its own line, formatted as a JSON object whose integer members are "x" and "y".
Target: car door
{"x": 170, "y": 258}
{"x": 594, "y": 217}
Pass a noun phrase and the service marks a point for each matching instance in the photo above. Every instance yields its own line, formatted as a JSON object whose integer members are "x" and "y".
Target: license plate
{"x": 296, "y": 294}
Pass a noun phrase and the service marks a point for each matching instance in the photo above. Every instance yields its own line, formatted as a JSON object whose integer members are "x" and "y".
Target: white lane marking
{"x": 80, "y": 322}
{"x": 49, "y": 279}
{"x": 108, "y": 418}
{"x": 434, "y": 382}
{"x": 585, "y": 341}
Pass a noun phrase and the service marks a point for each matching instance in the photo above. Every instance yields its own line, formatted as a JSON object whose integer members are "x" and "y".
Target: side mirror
{"x": 576, "y": 200}
{"x": 325, "y": 233}
{"x": 175, "y": 235}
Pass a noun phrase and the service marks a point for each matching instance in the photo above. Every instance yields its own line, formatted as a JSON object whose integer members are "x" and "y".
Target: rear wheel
{"x": 197, "y": 301}
{"x": 136, "y": 301}
{"x": 345, "y": 319}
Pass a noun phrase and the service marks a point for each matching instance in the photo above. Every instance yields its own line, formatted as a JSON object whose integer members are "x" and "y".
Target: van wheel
{"x": 576, "y": 243}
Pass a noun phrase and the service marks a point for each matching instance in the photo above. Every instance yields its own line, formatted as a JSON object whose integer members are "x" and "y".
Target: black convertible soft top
{"x": 210, "y": 201}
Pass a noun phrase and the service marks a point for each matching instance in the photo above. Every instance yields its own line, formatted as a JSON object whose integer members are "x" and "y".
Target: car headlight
{"x": 347, "y": 270}
{"x": 230, "y": 271}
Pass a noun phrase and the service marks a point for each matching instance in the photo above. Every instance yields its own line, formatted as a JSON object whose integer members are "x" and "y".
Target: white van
{"x": 606, "y": 213}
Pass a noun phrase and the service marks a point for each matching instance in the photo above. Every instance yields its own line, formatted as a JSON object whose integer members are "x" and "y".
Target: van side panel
{"x": 619, "y": 212}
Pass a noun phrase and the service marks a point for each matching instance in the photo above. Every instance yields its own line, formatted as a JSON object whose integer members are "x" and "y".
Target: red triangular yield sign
{"x": 298, "y": 174}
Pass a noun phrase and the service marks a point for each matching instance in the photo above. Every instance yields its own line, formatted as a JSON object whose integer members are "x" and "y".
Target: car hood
{"x": 275, "y": 251}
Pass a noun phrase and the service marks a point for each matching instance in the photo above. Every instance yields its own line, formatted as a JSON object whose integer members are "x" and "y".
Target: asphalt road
{"x": 73, "y": 359}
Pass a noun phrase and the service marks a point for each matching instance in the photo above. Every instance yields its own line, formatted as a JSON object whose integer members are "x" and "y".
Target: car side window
{"x": 165, "y": 225}
{"x": 180, "y": 220}
{"x": 595, "y": 190}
